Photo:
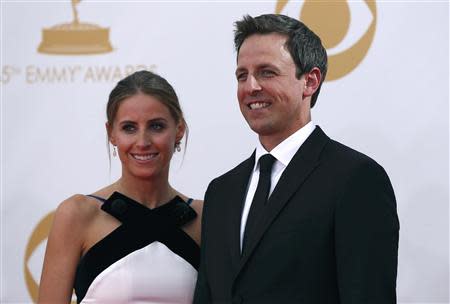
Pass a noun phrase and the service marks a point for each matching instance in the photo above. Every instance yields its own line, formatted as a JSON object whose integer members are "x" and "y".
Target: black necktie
{"x": 260, "y": 199}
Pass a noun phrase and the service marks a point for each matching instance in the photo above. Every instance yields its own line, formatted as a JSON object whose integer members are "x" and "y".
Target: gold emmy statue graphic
{"x": 75, "y": 38}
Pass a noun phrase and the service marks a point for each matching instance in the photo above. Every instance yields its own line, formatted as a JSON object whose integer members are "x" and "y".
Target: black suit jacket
{"x": 329, "y": 233}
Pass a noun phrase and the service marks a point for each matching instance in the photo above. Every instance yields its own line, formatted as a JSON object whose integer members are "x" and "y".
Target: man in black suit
{"x": 305, "y": 219}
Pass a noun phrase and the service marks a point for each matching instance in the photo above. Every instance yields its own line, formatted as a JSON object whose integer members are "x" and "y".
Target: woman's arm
{"x": 64, "y": 248}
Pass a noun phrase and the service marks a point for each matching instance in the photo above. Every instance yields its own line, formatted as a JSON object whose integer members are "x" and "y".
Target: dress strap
{"x": 189, "y": 201}
{"x": 97, "y": 197}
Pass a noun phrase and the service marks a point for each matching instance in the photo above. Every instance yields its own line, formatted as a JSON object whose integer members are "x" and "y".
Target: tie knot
{"x": 265, "y": 163}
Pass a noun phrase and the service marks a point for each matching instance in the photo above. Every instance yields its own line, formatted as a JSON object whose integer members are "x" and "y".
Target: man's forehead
{"x": 263, "y": 43}
{"x": 265, "y": 39}
{"x": 268, "y": 53}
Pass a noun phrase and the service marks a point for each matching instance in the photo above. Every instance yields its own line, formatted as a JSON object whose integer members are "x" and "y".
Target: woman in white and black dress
{"x": 136, "y": 240}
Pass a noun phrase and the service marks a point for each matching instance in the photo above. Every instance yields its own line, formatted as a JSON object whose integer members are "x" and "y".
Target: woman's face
{"x": 145, "y": 134}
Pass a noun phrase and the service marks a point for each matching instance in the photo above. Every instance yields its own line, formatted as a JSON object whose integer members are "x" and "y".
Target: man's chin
{"x": 261, "y": 129}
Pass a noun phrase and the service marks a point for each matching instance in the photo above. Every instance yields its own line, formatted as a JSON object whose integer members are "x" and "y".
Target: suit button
{"x": 238, "y": 299}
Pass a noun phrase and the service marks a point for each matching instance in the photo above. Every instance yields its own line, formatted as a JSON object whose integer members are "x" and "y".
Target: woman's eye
{"x": 128, "y": 128}
{"x": 157, "y": 126}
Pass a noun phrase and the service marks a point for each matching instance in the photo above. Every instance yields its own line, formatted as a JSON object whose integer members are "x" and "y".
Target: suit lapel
{"x": 236, "y": 196}
{"x": 305, "y": 160}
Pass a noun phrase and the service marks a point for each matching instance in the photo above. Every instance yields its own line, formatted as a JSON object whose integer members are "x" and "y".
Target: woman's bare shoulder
{"x": 197, "y": 205}
{"x": 85, "y": 206}
{"x": 78, "y": 208}
{"x": 194, "y": 228}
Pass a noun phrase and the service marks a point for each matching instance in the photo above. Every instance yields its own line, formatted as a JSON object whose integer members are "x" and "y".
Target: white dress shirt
{"x": 283, "y": 153}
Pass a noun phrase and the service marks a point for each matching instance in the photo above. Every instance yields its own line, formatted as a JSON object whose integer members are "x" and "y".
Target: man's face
{"x": 270, "y": 96}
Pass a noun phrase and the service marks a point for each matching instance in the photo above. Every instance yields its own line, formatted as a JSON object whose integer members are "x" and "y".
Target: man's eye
{"x": 267, "y": 73}
{"x": 241, "y": 77}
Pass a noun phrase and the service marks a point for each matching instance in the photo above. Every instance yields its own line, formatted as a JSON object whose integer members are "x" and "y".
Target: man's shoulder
{"x": 345, "y": 156}
{"x": 230, "y": 181}
{"x": 326, "y": 148}
{"x": 242, "y": 168}
{"x": 344, "y": 151}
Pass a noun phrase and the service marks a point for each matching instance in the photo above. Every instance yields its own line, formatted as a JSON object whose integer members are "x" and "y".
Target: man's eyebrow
{"x": 258, "y": 67}
{"x": 267, "y": 65}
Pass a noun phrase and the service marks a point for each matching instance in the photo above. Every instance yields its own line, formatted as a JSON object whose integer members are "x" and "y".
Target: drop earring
{"x": 178, "y": 146}
{"x": 114, "y": 151}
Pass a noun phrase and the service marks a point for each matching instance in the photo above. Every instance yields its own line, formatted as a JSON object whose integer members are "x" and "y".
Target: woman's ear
{"x": 181, "y": 129}
{"x": 109, "y": 132}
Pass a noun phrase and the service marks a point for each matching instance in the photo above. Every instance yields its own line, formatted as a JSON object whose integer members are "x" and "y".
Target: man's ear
{"x": 109, "y": 132}
{"x": 312, "y": 82}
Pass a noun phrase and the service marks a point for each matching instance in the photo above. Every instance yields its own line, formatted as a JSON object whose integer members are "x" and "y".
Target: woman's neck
{"x": 149, "y": 192}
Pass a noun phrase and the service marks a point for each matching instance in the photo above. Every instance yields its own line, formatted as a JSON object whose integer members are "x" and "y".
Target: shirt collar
{"x": 286, "y": 150}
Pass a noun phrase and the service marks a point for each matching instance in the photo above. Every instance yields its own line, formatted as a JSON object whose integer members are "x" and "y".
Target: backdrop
{"x": 387, "y": 95}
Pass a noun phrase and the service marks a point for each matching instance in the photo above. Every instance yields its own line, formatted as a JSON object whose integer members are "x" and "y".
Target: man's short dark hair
{"x": 305, "y": 47}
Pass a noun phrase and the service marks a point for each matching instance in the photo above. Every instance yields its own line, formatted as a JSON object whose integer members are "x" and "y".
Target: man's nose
{"x": 252, "y": 85}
